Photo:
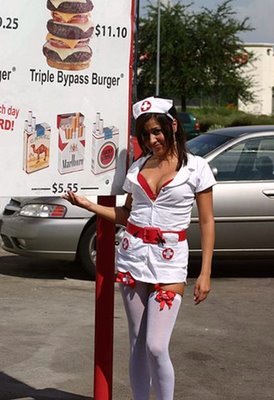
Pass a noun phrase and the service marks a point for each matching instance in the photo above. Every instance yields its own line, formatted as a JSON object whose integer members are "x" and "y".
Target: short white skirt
{"x": 153, "y": 263}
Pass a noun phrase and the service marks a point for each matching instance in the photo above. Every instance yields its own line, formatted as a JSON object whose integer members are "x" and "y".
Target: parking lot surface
{"x": 221, "y": 349}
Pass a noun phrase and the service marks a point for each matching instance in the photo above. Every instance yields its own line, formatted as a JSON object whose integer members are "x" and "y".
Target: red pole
{"x": 104, "y": 306}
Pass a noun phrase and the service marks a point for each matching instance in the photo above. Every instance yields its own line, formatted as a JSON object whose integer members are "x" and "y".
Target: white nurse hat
{"x": 152, "y": 105}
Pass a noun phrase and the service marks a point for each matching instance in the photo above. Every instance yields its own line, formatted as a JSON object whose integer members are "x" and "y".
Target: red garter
{"x": 125, "y": 278}
{"x": 164, "y": 297}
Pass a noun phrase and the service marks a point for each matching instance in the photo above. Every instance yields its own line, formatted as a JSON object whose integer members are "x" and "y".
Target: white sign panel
{"x": 65, "y": 94}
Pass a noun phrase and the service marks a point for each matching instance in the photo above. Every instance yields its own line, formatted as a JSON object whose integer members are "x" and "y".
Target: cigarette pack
{"x": 36, "y": 145}
{"x": 71, "y": 143}
{"x": 104, "y": 147}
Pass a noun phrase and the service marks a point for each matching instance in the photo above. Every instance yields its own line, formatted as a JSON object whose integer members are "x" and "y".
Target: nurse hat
{"x": 152, "y": 105}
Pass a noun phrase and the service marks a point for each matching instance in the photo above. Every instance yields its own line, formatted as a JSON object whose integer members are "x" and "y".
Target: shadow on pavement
{"x": 12, "y": 389}
{"x": 37, "y": 268}
{"x": 236, "y": 268}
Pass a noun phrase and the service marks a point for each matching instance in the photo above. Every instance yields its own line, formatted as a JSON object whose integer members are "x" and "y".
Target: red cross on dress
{"x": 168, "y": 253}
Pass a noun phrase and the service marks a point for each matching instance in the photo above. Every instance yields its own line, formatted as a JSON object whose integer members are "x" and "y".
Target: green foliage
{"x": 217, "y": 117}
{"x": 200, "y": 54}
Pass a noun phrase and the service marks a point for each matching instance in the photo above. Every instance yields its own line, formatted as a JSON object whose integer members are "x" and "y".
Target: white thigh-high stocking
{"x": 135, "y": 302}
{"x": 160, "y": 324}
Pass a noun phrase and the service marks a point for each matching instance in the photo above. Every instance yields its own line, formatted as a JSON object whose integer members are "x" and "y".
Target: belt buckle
{"x": 152, "y": 235}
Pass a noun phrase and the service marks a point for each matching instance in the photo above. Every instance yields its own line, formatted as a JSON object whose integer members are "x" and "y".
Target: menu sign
{"x": 65, "y": 95}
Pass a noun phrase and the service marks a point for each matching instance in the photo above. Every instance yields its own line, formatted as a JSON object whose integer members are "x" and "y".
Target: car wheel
{"x": 87, "y": 247}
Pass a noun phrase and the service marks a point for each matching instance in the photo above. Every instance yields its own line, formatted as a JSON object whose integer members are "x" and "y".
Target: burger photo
{"x": 69, "y": 33}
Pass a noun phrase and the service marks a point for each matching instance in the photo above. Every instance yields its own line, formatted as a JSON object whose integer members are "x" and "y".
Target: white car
{"x": 50, "y": 227}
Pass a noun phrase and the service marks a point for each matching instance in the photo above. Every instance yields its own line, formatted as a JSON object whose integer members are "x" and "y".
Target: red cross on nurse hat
{"x": 152, "y": 105}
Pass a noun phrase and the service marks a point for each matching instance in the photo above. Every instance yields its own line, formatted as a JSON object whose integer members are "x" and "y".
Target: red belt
{"x": 151, "y": 234}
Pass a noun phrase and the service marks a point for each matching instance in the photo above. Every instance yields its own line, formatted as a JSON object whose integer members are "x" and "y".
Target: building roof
{"x": 259, "y": 44}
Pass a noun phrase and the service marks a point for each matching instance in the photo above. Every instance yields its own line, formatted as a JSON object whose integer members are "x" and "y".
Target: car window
{"x": 252, "y": 159}
{"x": 205, "y": 143}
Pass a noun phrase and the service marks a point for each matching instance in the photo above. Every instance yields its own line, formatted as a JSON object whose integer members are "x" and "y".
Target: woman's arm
{"x": 206, "y": 221}
{"x": 117, "y": 215}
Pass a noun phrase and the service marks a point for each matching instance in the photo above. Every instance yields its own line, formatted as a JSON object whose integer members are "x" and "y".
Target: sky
{"x": 260, "y": 13}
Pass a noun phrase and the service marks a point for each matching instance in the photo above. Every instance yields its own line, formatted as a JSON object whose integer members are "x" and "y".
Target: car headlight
{"x": 43, "y": 211}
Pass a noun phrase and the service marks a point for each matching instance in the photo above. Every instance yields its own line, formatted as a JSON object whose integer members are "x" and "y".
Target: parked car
{"x": 242, "y": 160}
{"x": 190, "y": 124}
{"x": 50, "y": 227}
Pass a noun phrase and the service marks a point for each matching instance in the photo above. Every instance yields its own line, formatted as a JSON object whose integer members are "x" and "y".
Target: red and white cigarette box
{"x": 104, "y": 150}
{"x": 71, "y": 142}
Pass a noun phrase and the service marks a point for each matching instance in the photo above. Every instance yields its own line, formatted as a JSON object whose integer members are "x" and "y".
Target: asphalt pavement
{"x": 222, "y": 349}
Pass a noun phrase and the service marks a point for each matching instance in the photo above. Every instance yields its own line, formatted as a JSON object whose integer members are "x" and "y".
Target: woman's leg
{"x": 161, "y": 319}
{"x": 135, "y": 302}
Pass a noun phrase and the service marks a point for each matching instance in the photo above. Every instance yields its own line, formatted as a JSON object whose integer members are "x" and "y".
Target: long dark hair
{"x": 177, "y": 146}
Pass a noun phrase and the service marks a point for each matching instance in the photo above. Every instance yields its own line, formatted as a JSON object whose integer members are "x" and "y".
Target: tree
{"x": 201, "y": 54}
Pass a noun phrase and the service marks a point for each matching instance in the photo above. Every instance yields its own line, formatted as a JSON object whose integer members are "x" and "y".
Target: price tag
{"x": 9, "y": 23}
{"x": 111, "y": 31}
{"x": 60, "y": 188}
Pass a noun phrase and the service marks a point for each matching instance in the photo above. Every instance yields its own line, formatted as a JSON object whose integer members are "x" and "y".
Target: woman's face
{"x": 154, "y": 138}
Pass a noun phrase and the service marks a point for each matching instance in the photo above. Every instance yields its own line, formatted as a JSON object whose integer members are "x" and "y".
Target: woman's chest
{"x": 169, "y": 196}
{"x": 156, "y": 178}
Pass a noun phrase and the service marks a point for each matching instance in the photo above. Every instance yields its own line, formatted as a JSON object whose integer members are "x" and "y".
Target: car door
{"x": 243, "y": 197}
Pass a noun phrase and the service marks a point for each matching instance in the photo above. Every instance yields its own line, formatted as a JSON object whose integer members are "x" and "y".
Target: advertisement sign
{"x": 65, "y": 95}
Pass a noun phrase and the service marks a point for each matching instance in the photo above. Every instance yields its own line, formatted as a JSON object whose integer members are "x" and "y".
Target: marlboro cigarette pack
{"x": 104, "y": 146}
{"x": 36, "y": 145}
{"x": 71, "y": 143}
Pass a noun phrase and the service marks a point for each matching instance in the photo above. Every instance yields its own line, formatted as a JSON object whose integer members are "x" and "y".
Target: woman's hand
{"x": 201, "y": 289}
{"x": 76, "y": 200}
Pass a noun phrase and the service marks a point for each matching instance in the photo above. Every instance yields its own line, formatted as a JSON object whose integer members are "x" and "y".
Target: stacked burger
{"x": 70, "y": 30}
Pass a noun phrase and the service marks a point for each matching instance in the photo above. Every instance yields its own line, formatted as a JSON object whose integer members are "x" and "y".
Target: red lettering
{"x": 6, "y": 124}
